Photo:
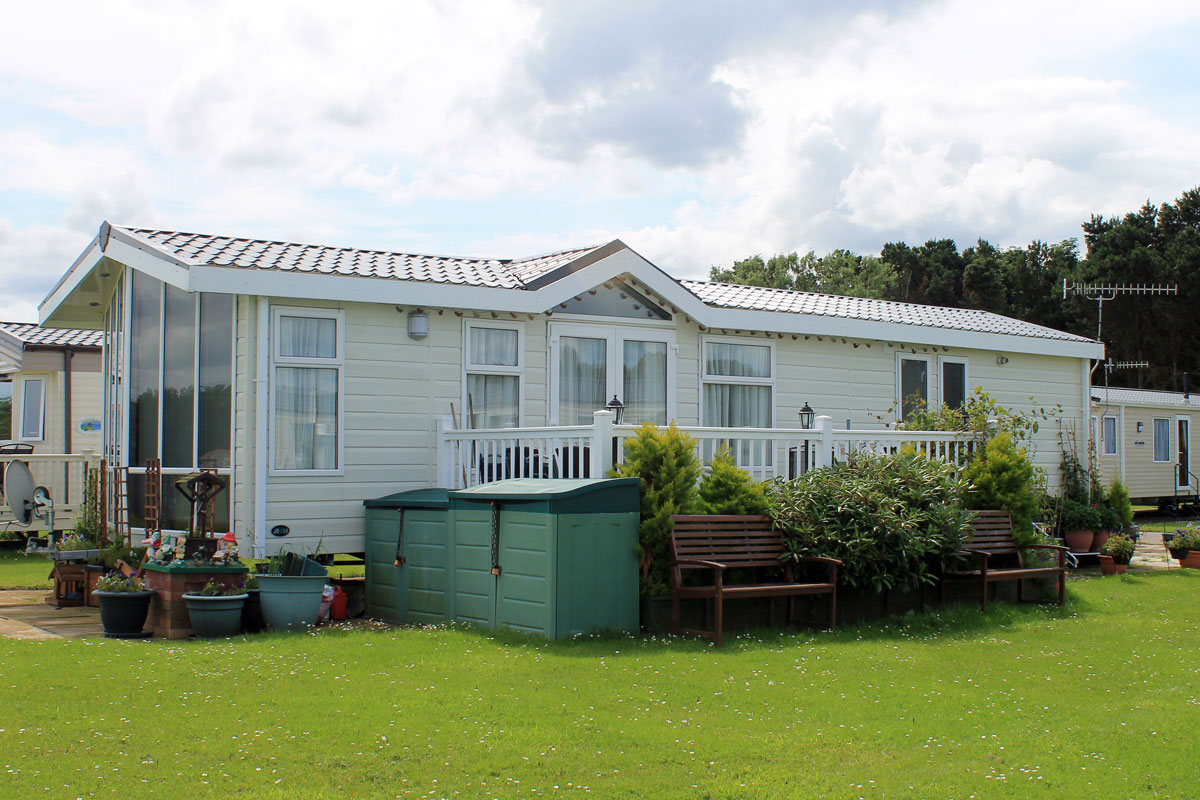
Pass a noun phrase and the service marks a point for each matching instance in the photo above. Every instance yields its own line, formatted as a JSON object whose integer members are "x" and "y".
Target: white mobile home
{"x": 317, "y": 377}
{"x": 1145, "y": 438}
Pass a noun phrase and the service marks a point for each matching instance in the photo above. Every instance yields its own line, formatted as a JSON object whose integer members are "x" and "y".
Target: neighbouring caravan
{"x": 1145, "y": 438}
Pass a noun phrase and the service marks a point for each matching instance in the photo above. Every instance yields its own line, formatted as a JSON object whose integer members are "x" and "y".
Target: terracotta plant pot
{"x": 1120, "y": 568}
{"x": 1192, "y": 560}
{"x": 1107, "y": 565}
{"x": 1079, "y": 541}
{"x": 1099, "y": 539}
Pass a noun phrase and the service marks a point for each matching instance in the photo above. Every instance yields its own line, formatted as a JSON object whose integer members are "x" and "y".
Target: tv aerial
{"x": 1101, "y": 292}
{"x": 26, "y": 500}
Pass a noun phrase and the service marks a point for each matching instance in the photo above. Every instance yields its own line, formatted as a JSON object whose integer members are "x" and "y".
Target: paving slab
{"x": 26, "y": 615}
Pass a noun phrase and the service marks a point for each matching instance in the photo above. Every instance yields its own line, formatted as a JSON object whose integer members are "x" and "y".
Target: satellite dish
{"x": 18, "y": 488}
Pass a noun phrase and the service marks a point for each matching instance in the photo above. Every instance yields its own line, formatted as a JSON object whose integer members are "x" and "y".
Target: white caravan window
{"x": 33, "y": 409}
{"x": 307, "y": 390}
{"x": 912, "y": 384}
{"x": 1109, "y": 435}
{"x": 1162, "y": 440}
{"x": 739, "y": 384}
{"x": 592, "y": 364}
{"x": 494, "y": 368}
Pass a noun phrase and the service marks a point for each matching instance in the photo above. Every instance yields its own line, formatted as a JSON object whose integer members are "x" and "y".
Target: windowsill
{"x": 306, "y": 473}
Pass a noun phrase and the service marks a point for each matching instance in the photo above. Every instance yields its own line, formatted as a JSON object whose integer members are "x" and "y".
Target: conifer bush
{"x": 726, "y": 488}
{"x": 1003, "y": 478}
{"x": 665, "y": 460}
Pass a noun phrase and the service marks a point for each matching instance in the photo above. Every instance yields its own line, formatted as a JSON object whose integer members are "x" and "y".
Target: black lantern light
{"x": 807, "y": 415}
{"x": 617, "y": 408}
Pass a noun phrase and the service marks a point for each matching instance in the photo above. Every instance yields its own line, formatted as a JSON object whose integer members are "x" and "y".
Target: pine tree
{"x": 727, "y": 489}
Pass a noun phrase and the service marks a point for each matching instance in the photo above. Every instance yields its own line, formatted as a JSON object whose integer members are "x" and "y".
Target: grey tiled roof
{"x": 757, "y": 298}
{"x": 289, "y": 257}
{"x": 38, "y": 336}
{"x": 1143, "y": 397}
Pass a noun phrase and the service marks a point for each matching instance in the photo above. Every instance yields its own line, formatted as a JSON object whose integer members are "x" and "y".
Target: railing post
{"x": 602, "y": 439}
{"x": 445, "y": 454}
{"x": 824, "y": 426}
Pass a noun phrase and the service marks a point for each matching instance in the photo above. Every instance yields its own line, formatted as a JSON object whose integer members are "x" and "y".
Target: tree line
{"x": 1153, "y": 245}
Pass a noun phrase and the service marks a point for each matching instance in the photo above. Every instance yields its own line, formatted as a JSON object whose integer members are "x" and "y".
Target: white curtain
{"x": 496, "y": 347}
{"x": 492, "y": 400}
{"x": 645, "y": 382}
{"x": 730, "y": 405}
{"x": 737, "y": 360}
{"x": 307, "y": 337}
{"x": 582, "y": 379}
{"x": 306, "y": 418}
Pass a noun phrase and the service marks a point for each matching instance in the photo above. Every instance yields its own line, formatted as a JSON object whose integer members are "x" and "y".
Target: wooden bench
{"x": 992, "y": 539}
{"x": 720, "y": 543}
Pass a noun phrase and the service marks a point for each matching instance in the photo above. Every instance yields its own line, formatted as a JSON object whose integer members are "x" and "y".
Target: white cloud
{"x": 514, "y": 127}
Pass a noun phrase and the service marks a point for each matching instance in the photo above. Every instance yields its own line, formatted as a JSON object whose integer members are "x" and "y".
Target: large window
{"x": 177, "y": 362}
{"x": 1108, "y": 434}
{"x": 33, "y": 409}
{"x": 912, "y": 383}
{"x": 953, "y": 382}
{"x": 1162, "y": 440}
{"x": 738, "y": 384}
{"x": 495, "y": 355}
{"x": 308, "y": 365}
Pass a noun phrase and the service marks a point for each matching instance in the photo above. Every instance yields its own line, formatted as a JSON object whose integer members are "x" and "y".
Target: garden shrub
{"x": 726, "y": 488}
{"x": 1118, "y": 500}
{"x": 888, "y": 518}
{"x": 665, "y": 460}
{"x": 1003, "y": 478}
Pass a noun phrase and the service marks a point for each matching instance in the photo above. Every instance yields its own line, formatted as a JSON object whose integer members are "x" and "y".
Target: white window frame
{"x": 41, "y": 426}
{"x": 707, "y": 377}
{"x": 491, "y": 369}
{"x": 900, "y": 357}
{"x": 338, "y": 362}
{"x": 1105, "y": 444}
{"x": 942, "y": 362}
{"x": 616, "y": 335}
{"x": 1154, "y": 454}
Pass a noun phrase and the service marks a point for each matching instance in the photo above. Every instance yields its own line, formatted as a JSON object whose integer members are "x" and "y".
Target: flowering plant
{"x": 116, "y": 582}
{"x": 214, "y": 589}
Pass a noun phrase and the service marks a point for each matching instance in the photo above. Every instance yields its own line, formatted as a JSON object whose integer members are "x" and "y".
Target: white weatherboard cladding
{"x": 397, "y": 388}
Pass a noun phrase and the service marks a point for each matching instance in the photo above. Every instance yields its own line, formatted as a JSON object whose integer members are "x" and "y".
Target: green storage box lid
{"x": 414, "y": 498}
{"x": 584, "y": 495}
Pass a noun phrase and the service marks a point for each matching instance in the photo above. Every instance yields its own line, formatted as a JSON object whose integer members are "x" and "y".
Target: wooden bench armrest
{"x": 837, "y": 562}
{"x": 695, "y": 562}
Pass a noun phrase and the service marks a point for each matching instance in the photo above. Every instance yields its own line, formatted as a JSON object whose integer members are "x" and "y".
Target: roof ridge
{"x": 848, "y": 297}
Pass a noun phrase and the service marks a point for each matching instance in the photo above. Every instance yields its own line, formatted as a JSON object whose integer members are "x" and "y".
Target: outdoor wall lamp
{"x": 418, "y": 324}
{"x": 807, "y": 415}
{"x": 617, "y": 408}
{"x": 1139, "y": 430}
{"x": 1001, "y": 360}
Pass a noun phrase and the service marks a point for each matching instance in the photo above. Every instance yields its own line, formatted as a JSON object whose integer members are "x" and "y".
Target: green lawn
{"x": 19, "y": 571}
{"x": 1098, "y": 700}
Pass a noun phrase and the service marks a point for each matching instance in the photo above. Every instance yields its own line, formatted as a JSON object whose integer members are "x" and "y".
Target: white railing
{"x": 471, "y": 457}
{"x": 63, "y": 474}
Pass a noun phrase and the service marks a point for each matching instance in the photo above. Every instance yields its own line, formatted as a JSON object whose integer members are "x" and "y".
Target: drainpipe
{"x": 68, "y": 355}
{"x": 261, "y": 383}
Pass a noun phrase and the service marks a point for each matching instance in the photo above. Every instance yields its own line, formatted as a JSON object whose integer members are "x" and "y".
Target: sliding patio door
{"x": 591, "y": 364}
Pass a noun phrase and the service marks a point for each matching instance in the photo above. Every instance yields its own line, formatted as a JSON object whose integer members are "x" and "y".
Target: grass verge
{"x": 19, "y": 571}
{"x": 1095, "y": 700}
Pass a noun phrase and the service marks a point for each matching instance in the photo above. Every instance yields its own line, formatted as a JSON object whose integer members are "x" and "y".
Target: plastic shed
{"x": 412, "y": 528}
{"x": 552, "y": 557}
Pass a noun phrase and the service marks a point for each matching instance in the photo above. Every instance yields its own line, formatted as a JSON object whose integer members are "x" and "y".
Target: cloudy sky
{"x": 698, "y": 132}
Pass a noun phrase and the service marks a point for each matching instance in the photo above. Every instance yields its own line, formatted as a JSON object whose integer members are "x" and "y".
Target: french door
{"x": 592, "y": 364}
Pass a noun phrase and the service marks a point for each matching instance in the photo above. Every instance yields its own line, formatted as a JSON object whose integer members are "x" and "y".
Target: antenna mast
{"x": 1100, "y": 292}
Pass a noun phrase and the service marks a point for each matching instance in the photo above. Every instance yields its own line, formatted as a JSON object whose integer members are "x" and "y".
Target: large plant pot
{"x": 123, "y": 614}
{"x": 1192, "y": 559}
{"x": 215, "y": 617}
{"x": 252, "y": 618}
{"x": 290, "y": 602}
{"x": 1107, "y": 565}
{"x": 1079, "y": 541}
{"x": 1099, "y": 539}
